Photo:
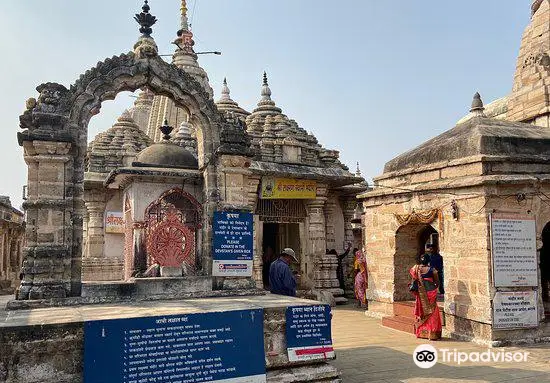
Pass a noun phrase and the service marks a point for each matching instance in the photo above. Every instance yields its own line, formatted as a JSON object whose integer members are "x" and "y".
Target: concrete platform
{"x": 46, "y": 344}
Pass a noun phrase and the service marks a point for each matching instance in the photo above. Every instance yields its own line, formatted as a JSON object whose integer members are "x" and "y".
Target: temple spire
{"x": 266, "y": 92}
{"x": 184, "y": 21}
{"x": 225, "y": 91}
{"x": 185, "y": 57}
{"x": 358, "y": 171}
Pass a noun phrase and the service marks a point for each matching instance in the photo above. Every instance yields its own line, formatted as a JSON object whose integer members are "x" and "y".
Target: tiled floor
{"x": 368, "y": 352}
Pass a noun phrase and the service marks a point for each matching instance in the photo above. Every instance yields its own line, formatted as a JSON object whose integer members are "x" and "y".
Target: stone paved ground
{"x": 368, "y": 352}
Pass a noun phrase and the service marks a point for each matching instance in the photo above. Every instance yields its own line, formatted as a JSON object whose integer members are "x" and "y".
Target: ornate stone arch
{"x": 55, "y": 140}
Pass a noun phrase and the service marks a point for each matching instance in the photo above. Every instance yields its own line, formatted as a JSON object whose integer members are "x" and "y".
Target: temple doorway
{"x": 545, "y": 269}
{"x": 277, "y": 236}
{"x": 410, "y": 242}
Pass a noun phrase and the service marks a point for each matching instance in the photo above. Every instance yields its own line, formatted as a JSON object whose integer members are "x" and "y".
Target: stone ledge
{"x": 79, "y": 301}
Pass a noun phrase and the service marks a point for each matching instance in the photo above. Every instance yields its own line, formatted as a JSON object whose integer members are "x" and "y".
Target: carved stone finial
{"x": 477, "y": 105}
{"x": 358, "y": 171}
{"x": 266, "y": 92}
{"x": 225, "y": 91}
{"x": 145, "y": 20}
{"x": 166, "y": 130}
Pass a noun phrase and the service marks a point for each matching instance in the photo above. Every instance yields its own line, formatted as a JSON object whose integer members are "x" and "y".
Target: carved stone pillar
{"x": 8, "y": 254}
{"x": 95, "y": 239}
{"x": 252, "y": 189}
{"x": 348, "y": 208}
{"x": 139, "y": 252}
{"x": 233, "y": 175}
{"x": 48, "y": 267}
{"x": 317, "y": 242}
{"x": 330, "y": 208}
{"x": 2, "y": 252}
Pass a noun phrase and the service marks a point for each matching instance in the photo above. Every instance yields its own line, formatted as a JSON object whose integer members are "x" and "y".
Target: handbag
{"x": 413, "y": 286}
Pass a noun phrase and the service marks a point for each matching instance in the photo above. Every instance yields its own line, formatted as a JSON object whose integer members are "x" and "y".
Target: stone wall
{"x": 12, "y": 230}
{"x": 53, "y": 353}
{"x": 463, "y": 224}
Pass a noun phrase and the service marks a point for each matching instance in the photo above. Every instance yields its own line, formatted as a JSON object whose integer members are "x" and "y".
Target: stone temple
{"x": 128, "y": 220}
{"x": 492, "y": 164}
{"x": 133, "y": 174}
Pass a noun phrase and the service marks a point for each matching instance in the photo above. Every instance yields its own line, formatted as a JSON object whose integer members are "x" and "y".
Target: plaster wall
{"x": 142, "y": 194}
{"x": 114, "y": 242}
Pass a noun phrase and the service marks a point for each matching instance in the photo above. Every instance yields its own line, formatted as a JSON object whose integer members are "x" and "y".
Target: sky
{"x": 369, "y": 78}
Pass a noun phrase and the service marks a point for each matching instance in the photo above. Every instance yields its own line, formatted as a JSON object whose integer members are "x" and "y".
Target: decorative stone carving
{"x": 171, "y": 243}
{"x": 45, "y": 118}
{"x": 233, "y": 138}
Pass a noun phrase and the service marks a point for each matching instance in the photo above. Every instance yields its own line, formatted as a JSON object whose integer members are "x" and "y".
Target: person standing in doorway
{"x": 340, "y": 267}
{"x": 281, "y": 278}
{"x": 436, "y": 261}
{"x": 361, "y": 282}
{"x": 424, "y": 287}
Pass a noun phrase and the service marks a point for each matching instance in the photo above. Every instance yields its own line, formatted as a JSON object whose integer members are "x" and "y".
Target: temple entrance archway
{"x": 55, "y": 142}
{"x": 410, "y": 241}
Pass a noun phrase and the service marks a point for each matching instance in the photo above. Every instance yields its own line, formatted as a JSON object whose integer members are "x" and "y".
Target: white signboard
{"x": 514, "y": 250}
{"x": 515, "y": 309}
{"x": 231, "y": 268}
{"x": 114, "y": 222}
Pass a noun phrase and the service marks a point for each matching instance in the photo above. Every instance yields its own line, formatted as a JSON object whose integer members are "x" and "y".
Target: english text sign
{"x": 232, "y": 244}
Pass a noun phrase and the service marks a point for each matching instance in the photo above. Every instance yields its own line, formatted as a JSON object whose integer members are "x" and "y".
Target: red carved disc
{"x": 171, "y": 243}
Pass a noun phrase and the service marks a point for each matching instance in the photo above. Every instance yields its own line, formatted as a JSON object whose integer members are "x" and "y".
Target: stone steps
{"x": 399, "y": 323}
{"x": 341, "y": 300}
{"x": 403, "y": 318}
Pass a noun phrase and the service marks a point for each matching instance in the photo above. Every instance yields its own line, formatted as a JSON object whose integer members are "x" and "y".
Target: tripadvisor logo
{"x": 426, "y": 356}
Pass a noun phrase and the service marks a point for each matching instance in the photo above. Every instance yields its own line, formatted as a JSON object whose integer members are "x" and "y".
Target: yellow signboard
{"x": 288, "y": 188}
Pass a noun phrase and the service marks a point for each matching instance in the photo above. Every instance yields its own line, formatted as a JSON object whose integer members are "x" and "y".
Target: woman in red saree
{"x": 361, "y": 278}
{"x": 426, "y": 311}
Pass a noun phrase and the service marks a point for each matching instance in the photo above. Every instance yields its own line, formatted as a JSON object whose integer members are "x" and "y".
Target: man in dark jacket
{"x": 436, "y": 261}
{"x": 281, "y": 279}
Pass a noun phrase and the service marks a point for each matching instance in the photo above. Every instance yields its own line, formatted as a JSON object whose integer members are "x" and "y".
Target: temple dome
{"x": 166, "y": 154}
{"x": 109, "y": 149}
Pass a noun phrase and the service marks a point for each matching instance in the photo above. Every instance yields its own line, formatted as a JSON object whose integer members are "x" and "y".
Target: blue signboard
{"x": 206, "y": 347}
{"x": 308, "y": 333}
{"x": 232, "y": 244}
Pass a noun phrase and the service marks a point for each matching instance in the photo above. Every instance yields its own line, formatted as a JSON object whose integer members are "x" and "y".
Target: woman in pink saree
{"x": 425, "y": 284}
{"x": 361, "y": 278}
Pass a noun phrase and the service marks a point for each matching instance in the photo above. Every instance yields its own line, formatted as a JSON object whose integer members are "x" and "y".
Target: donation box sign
{"x": 233, "y": 244}
{"x": 514, "y": 250}
{"x": 207, "y": 347}
{"x": 308, "y": 333}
